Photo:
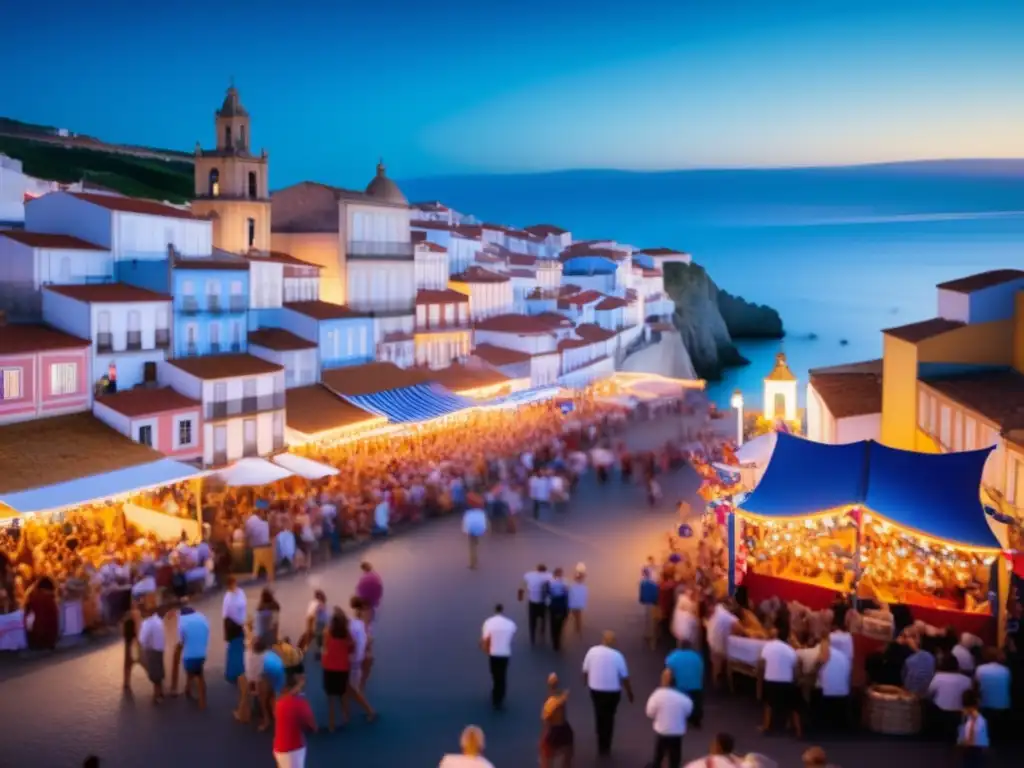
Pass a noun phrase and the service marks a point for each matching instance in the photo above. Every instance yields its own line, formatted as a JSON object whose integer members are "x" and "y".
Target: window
{"x": 190, "y": 333}
{"x": 253, "y": 192}
{"x": 215, "y": 336}
{"x": 363, "y": 342}
{"x": 435, "y": 314}
{"x": 63, "y": 379}
{"x": 188, "y": 288}
{"x": 252, "y": 231}
{"x": 241, "y": 137}
{"x": 184, "y": 433}
{"x": 227, "y": 137}
{"x": 970, "y": 433}
{"x": 350, "y": 342}
{"x": 214, "y": 190}
{"x": 146, "y": 435}
{"x": 212, "y": 288}
{"x": 236, "y": 287}
{"x": 11, "y": 387}
{"x": 958, "y": 426}
{"x": 923, "y": 406}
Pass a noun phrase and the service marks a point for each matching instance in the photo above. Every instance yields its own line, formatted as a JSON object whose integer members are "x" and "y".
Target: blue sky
{"x": 464, "y": 86}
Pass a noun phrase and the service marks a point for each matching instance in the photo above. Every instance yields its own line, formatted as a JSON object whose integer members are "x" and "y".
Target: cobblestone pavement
{"x": 431, "y": 678}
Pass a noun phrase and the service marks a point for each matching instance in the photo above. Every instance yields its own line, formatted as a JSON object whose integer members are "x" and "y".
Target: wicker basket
{"x": 892, "y": 710}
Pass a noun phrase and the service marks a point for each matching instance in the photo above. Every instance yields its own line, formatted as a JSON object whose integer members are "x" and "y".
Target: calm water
{"x": 841, "y": 253}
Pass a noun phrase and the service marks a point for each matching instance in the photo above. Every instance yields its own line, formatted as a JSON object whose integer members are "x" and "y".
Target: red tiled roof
{"x": 996, "y": 395}
{"x": 522, "y": 260}
{"x": 488, "y": 258}
{"x": 134, "y": 205}
{"x": 594, "y": 332}
{"x": 469, "y": 231}
{"x": 107, "y": 293}
{"x": 573, "y": 344}
{"x": 495, "y": 355}
{"x": 527, "y": 273}
{"x": 370, "y": 378}
{"x": 651, "y": 272}
{"x": 431, "y": 205}
{"x": 213, "y": 367}
{"x": 441, "y": 225}
{"x": 431, "y": 246}
{"x": 46, "y": 240}
{"x": 924, "y": 330}
{"x": 494, "y": 227}
{"x": 546, "y": 229}
{"x": 446, "y": 296}
{"x": 144, "y": 402}
{"x": 662, "y": 327}
{"x": 981, "y": 281}
{"x": 214, "y": 262}
{"x": 277, "y": 257}
{"x": 568, "y": 289}
{"x": 19, "y": 339}
{"x": 849, "y": 394}
{"x": 458, "y": 377}
{"x": 611, "y": 302}
{"x": 520, "y": 324}
{"x": 582, "y": 298}
{"x": 554, "y": 320}
{"x": 316, "y": 409}
{"x": 478, "y": 275}
{"x": 576, "y": 251}
{"x": 321, "y": 310}
{"x": 663, "y": 252}
{"x": 279, "y": 340}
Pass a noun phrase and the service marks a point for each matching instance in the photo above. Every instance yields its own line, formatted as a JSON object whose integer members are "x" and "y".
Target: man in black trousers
{"x": 496, "y": 642}
{"x": 535, "y": 590}
{"x": 607, "y": 676}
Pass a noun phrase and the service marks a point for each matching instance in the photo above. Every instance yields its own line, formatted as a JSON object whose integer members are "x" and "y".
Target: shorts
{"x": 781, "y": 697}
{"x": 335, "y": 682}
{"x": 194, "y": 666}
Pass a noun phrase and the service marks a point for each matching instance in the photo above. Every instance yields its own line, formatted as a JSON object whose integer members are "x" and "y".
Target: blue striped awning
{"x": 525, "y": 397}
{"x": 421, "y": 402}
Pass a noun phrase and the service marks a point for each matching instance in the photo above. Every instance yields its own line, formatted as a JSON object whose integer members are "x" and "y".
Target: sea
{"x": 841, "y": 253}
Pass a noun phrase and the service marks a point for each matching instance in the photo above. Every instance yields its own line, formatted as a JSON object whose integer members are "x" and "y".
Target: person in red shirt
{"x": 293, "y": 717}
{"x": 336, "y": 661}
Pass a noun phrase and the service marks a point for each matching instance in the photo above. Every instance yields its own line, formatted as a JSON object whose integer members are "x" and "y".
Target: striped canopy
{"x": 524, "y": 397}
{"x": 421, "y": 402}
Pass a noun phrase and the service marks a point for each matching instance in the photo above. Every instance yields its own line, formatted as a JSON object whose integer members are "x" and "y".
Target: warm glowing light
{"x": 737, "y": 400}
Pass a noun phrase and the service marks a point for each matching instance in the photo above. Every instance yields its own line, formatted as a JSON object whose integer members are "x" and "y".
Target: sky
{"x": 446, "y": 87}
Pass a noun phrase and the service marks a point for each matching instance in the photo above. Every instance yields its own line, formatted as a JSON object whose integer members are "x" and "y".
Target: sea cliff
{"x": 710, "y": 320}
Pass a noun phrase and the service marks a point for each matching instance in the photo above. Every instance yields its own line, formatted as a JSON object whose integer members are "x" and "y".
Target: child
{"x": 973, "y": 734}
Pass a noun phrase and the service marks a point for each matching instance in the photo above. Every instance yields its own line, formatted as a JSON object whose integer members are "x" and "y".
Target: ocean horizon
{"x": 841, "y": 253}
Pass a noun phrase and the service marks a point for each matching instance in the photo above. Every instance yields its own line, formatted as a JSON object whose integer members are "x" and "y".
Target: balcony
{"x": 385, "y": 251}
{"x": 440, "y": 326}
{"x": 236, "y": 346}
{"x": 213, "y": 305}
{"x": 104, "y": 342}
{"x": 134, "y": 341}
{"x": 191, "y": 350}
{"x": 244, "y": 406}
{"x": 214, "y": 347}
{"x": 162, "y": 338}
{"x": 237, "y": 304}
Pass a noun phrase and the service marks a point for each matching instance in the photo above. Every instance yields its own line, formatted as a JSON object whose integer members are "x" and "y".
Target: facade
{"x": 663, "y": 256}
{"x": 211, "y": 303}
{"x": 243, "y": 402}
{"x": 844, "y": 403}
{"x": 489, "y": 293}
{"x": 343, "y": 337}
{"x": 431, "y": 265}
{"x": 299, "y": 357}
{"x": 443, "y": 329}
{"x": 158, "y": 418}
{"x": 43, "y": 372}
{"x": 129, "y": 327}
{"x": 555, "y": 238}
{"x": 232, "y": 184}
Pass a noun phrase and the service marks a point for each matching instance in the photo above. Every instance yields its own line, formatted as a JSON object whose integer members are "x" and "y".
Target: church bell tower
{"x": 231, "y": 183}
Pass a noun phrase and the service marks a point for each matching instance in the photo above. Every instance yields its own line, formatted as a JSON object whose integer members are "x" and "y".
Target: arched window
{"x": 227, "y": 137}
{"x": 253, "y": 192}
{"x": 214, "y": 182}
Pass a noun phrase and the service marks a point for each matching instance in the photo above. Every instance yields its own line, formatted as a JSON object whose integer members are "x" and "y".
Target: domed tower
{"x": 232, "y": 184}
{"x": 384, "y": 189}
{"x": 780, "y": 391}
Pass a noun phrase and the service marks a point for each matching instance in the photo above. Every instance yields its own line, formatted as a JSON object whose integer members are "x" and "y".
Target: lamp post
{"x": 737, "y": 403}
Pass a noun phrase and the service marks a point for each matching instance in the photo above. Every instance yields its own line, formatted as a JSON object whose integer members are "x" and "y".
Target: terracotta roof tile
{"x": 611, "y": 302}
{"x": 428, "y": 245}
{"x": 475, "y": 274}
{"x": 216, "y": 261}
{"x": 134, "y": 205}
{"x": 437, "y": 225}
{"x": 663, "y": 327}
{"x": 565, "y": 344}
{"x": 522, "y": 260}
{"x": 495, "y": 355}
{"x": 488, "y": 258}
{"x": 529, "y": 274}
{"x": 924, "y": 330}
{"x": 982, "y": 280}
{"x": 568, "y": 289}
{"x": 431, "y": 205}
{"x": 457, "y": 377}
{"x": 370, "y": 378}
{"x": 20, "y": 339}
{"x": 594, "y": 332}
{"x": 213, "y": 367}
{"x": 468, "y": 231}
{"x": 545, "y": 229}
{"x": 142, "y": 401}
{"x": 520, "y": 324}
{"x": 108, "y": 293}
{"x": 651, "y": 272}
{"x": 663, "y": 252}
{"x": 321, "y": 310}
{"x": 315, "y": 409}
{"x": 45, "y": 240}
{"x": 278, "y": 257}
{"x": 849, "y": 394}
{"x": 446, "y": 296}
{"x": 279, "y": 340}
{"x": 582, "y": 298}
{"x": 553, "y": 320}
{"x": 997, "y": 395}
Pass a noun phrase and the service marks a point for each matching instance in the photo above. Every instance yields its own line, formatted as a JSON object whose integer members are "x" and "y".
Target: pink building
{"x": 45, "y": 372}
{"x": 159, "y": 418}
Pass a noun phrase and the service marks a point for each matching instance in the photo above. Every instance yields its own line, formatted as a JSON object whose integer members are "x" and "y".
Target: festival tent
{"x": 83, "y": 490}
{"x": 303, "y": 467}
{"x": 253, "y": 471}
{"x": 419, "y": 402}
{"x": 758, "y": 450}
{"x": 525, "y": 397}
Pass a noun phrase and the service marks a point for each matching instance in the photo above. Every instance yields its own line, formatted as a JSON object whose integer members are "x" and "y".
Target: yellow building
{"x": 956, "y": 382}
{"x": 231, "y": 183}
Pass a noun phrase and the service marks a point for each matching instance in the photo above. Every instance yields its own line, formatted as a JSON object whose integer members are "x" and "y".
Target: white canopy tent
{"x": 757, "y": 451}
{"x": 253, "y": 471}
{"x": 303, "y": 467}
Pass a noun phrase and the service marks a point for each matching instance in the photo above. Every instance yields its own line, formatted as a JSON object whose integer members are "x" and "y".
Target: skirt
{"x": 557, "y": 739}
{"x": 154, "y": 664}
{"x": 335, "y": 682}
{"x": 234, "y": 665}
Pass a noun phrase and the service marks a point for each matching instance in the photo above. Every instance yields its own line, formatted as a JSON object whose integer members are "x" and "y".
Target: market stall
{"x": 896, "y": 527}
{"x": 253, "y": 471}
{"x": 303, "y": 467}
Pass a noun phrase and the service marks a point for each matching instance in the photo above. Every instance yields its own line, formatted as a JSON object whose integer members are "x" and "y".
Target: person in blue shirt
{"x": 558, "y": 607}
{"x": 687, "y": 668}
{"x": 193, "y": 642}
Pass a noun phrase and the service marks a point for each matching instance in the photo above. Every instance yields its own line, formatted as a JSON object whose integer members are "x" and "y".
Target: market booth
{"x": 901, "y": 528}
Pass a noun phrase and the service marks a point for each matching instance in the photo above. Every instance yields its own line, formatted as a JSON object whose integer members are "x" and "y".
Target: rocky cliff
{"x": 666, "y": 357}
{"x": 709, "y": 320}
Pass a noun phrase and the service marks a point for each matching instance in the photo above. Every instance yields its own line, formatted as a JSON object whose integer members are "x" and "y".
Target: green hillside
{"x": 129, "y": 175}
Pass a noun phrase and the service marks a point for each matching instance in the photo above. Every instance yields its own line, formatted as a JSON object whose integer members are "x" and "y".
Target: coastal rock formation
{"x": 705, "y": 331}
{"x": 667, "y": 357}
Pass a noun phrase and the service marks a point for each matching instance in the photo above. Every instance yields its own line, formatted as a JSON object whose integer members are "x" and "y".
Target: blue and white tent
{"x": 420, "y": 402}
{"x": 525, "y": 397}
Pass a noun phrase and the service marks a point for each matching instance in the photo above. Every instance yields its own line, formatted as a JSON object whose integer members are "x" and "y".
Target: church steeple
{"x": 232, "y": 121}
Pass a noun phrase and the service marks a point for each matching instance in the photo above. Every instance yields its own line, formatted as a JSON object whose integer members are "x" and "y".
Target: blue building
{"x": 211, "y": 305}
{"x": 342, "y": 336}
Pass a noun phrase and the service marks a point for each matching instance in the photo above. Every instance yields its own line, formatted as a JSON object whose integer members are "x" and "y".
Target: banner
{"x": 166, "y": 527}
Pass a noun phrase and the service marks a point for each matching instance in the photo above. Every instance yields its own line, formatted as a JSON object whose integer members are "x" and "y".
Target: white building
{"x": 243, "y": 401}
{"x": 555, "y": 238}
{"x": 130, "y": 328}
{"x": 443, "y": 329}
{"x": 844, "y": 403}
{"x": 663, "y": 256}
{"x": 431, "y": 262}
{"x": 489, "y": 293}
{"x": 299, "y": 357}
{"x": 463, "y": 242}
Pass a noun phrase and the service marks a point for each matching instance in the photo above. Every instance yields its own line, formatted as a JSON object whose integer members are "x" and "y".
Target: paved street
{"x": 431, "y": 677}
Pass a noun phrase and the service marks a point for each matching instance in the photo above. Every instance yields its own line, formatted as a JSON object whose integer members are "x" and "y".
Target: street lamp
{"x": 737, "y": 403}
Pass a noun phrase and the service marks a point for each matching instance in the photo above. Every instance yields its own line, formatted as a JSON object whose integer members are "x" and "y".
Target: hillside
{"x": 121, "y": 171}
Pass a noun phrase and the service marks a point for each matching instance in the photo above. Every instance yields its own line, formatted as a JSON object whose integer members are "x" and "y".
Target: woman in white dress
{"x": 685, "y": 624}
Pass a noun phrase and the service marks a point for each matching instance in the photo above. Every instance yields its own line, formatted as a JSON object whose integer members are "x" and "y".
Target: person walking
{"x": 234, "y": 614}
{"x": 193, "y": 645}
{"x": 472, "y": 756}
{"x": 293, "y": 718}
{"x": 533, "y": 589}
{"x": 152, "y": 641}
{"x": 669, "y": 708}
{"x": 474, "y": 525}
{"x": 558, "y": 607}
{"x": 722, "y": 755}
{"x": 605, "y": 671}
{"x": 360, "y": 613}
{"x": 687, "y": 667}
{"x": 336, "y": 661}
{"x": 578, "y": 598}
{"x": 496, "y": 642}
{"x": 370, "y": 589}
{"x": 556, "y": 741}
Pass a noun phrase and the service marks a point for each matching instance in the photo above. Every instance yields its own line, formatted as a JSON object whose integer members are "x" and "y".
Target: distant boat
{"x": 843, "y": 342}
{"x": 812, "y": 337}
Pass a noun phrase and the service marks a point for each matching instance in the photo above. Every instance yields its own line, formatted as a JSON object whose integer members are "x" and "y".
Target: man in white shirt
{"x": 994, "y": 685}
{"x": 963, "y": 655}
{"x": 605, "y": 671}
{"x": 534, "y": 584}
{"x": 152, "y": 642}
{"x": 496, "y": 641}
{"x": 778, "y": 668}
{"x": 257, "y": 536}
{"x": 720, "y": 626}
{"x": 833, "y": 689}
{"x": 669, "y": 708}
{"x": 474, "y": 525}
{"x": 234, "y": 607}
{"x": 540, "y": 491}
